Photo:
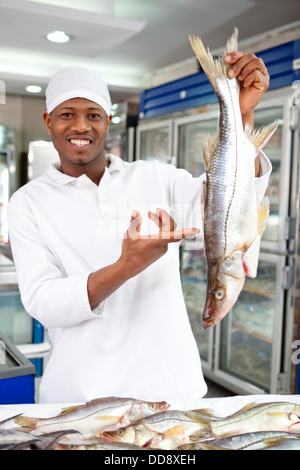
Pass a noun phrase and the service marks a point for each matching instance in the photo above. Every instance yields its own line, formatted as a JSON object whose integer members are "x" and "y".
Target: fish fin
{"x": 204, "y": 412}
{"x": 245, "y": 408}
{"x": 263, "y": 213}
{"x": 262, "y": 136}
{"x": 27, "y": 423}
{"x": 65, "y": 411}
{"x": 279, "y": 414}
{"x": 232, "y": 43}
{"x": 209, "y": 143}
{"x": 213, "y": 68}
{"x": 202, "y": 433}
{"x": 250, "y": 258}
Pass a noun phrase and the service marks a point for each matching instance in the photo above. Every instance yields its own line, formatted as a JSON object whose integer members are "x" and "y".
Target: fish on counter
{"x": 248, "y": 441}
{"x": 276, "y": 416}
{"x": 165, "y": 431}
{"x": 98, "y": 446}
{"x": 11, "y": 439}
{"x": 91, "y": 418}
{"x": 128, "y": 424}
{"x": 233, "y": 222}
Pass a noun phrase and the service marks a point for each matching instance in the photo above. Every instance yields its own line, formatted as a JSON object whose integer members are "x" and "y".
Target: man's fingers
{"x": 162, "y": 219}
{"x": 243, "y": 64}
{"x": 173, "y": 236}
{"x": 155, "y": 218}
{"x": 135, "y": 225}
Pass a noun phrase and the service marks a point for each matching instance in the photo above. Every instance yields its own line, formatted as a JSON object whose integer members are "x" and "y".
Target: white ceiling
{"x": 127, "y": 41}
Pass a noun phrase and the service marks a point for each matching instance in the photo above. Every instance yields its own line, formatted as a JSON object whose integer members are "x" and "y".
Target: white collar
{"x": 54, "y": 173}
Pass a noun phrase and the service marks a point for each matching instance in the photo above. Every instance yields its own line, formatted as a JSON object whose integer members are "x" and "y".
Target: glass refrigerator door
{"x": 188, "y": 140}
{"x": 248, "y": 340}
{"x": 193, "y": 278}
{"x": 278, "y": 150}
{"x": 188, "y": 135}
{"x": 154, "y": 141}
{"x": 15, "y": 323}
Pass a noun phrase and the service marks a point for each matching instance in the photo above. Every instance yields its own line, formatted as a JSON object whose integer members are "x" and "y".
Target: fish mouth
{"x": 107, "y": 437}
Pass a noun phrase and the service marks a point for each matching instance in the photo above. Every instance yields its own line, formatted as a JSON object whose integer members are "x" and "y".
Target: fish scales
{"x": 233, "y": 224}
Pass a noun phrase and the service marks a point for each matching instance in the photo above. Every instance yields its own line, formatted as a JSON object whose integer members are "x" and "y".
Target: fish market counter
{"x": 273, "y": 417}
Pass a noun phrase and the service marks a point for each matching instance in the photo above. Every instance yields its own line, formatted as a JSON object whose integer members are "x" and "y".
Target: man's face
{"x": 78, "y": 128}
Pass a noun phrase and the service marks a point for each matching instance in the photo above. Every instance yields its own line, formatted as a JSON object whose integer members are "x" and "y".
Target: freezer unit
{"x": 250, "y": 350}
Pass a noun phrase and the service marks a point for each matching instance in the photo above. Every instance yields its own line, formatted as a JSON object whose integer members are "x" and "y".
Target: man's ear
{"x": 47, "y": 119}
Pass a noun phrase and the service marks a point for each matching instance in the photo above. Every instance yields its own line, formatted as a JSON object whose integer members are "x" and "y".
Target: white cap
{"x": 77, "y": 82}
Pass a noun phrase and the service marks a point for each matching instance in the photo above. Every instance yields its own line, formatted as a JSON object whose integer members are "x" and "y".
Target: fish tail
{"x": 203, "y": 419}
{"x": 262, "y": 136}
{"x": 214, "y": 68}
{"x": 232, "y": 43}
{"x": 27, "y": 424}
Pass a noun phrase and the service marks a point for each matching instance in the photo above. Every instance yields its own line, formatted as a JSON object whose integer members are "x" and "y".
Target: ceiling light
{"x": 58, "y": 36}
{"x": 33, "y": 89}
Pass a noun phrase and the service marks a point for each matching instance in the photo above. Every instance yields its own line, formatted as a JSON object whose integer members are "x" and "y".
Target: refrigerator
{"x": 250, "y": 350}
{"x": 24, "y": 332}
{"x": 120, "y": 139}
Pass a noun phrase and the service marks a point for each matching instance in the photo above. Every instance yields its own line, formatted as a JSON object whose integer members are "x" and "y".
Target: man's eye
{"x": 94, "y": 116}
{"x": 67, "y": 114}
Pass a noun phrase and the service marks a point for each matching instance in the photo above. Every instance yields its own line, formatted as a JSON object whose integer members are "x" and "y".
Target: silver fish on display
{"x": 248, "y": 441}
{"x": 11, "y": 439}
{"x": 165, "y": 431}
{"x": 233, "y": 222}
{"x": 94, "y": 416}
{"x": 277, "y": 416}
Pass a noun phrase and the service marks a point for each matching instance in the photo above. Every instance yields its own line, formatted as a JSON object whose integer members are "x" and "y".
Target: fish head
{"x": 294, "y": 419}
{"x": 224, "y": 284}
{"x": 137, "y": 434}
{"x": 126, "y": 434}
{"x": 141, "y": 409}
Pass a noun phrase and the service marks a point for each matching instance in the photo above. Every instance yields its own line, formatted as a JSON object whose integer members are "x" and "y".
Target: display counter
{"x": 218, "y": 407}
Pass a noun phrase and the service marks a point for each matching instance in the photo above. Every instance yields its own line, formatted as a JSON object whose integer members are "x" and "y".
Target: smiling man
{"x": 97, "y": 256}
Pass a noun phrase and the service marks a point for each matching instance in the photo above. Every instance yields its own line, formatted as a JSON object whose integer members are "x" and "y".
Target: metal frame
{"x": 280, "y": 98}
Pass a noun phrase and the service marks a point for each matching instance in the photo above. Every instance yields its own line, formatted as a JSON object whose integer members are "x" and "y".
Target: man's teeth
{"x": 79, "y": 143}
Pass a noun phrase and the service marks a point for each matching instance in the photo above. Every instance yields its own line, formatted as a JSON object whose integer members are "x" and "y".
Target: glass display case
{"x": 188, "y": 134}
{"x": 248, "y": 340}
{"x": 155, "y": 141}
{"x": 248, "y": 352}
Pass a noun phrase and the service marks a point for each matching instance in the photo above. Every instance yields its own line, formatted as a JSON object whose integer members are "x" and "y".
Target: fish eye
{"x": 220, "y": 294}
{"x": 152, "y": 406}
{"x": 120, "y": 432}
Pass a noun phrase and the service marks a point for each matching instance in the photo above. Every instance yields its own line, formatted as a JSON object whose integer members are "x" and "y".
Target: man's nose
{"x": 81, "y": 123}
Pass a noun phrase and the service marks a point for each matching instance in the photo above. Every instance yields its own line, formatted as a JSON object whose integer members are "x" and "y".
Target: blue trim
{"x": 38, "y": 337}
{"x": 195, "y": 90}
{"x": 17, "y": 390}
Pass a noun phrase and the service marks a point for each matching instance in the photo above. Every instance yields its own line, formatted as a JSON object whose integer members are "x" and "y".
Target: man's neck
{"x": 93, "y": 171}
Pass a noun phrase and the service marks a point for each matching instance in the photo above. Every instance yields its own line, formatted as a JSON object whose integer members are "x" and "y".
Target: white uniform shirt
{"x": 138, "y": 342}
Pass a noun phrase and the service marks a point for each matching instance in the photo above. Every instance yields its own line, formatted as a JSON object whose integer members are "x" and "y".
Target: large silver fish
{"x": 233, "y": 222}
{"x": 95, "y": 416}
